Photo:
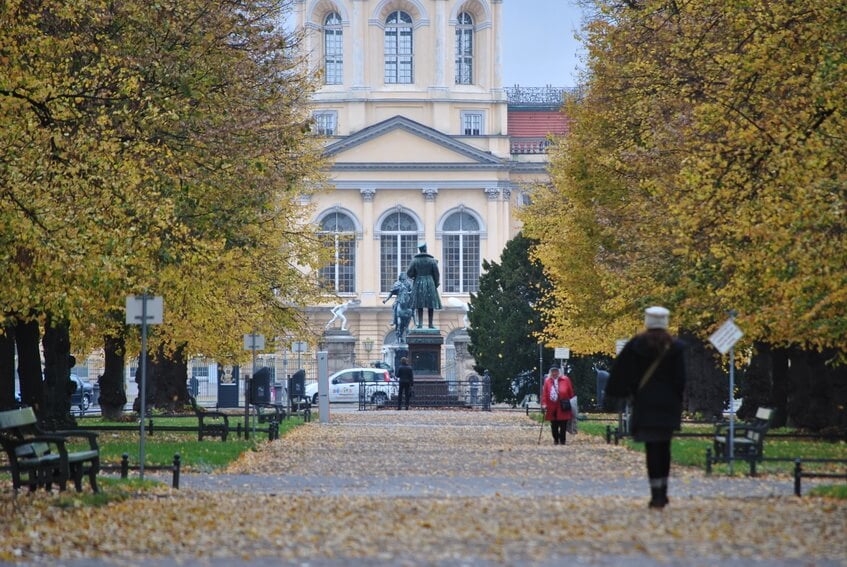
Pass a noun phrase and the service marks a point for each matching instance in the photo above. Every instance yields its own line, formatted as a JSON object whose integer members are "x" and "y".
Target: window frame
{"x": 461, "y": 244}
{"x": 465, "y": 116}
{"x": 464, "y": 52}
{"x": 338, "y": 276}
{"x": 404, "y": 247}
{"x": 333, "y": 59}
{"x": 397, "y": 55}
{"x": 320, "y": 118}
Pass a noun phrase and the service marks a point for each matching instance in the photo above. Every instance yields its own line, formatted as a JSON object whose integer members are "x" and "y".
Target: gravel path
{"x": 443, "y": 488}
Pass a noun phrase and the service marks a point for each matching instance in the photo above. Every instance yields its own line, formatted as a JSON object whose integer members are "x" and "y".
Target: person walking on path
{"x": 407, "y": 379}
{"x": 650, "y": 371}
{"x": 425, "y": 275}
{"x": 557, "y": 389}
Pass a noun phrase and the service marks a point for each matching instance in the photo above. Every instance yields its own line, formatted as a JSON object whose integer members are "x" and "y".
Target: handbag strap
{"x": 653, "y": 367}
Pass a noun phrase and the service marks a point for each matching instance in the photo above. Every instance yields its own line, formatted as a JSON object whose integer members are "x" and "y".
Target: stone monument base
{"x": 425, "y": 353}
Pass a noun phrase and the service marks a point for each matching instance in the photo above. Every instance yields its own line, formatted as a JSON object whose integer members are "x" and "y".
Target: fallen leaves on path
{"x": 426, "y": 530}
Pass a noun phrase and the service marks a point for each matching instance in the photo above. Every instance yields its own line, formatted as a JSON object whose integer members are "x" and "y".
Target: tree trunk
{"x": 58, "y": 387}
{"x": 757, "y": 390}
{"x": 7, "y": 367}
{"x": 707, "y": 389}
{"x": 171, "y": 376}
{"x": 779, "y": 386}
{"x": 167, "y": 381}
{"x": 29, "y": 363}
{"x": 817, "y": 391}
{"x": 112, "y": 391}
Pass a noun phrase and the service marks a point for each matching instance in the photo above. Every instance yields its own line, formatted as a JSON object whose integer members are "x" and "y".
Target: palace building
{"x": 426, "y": 145}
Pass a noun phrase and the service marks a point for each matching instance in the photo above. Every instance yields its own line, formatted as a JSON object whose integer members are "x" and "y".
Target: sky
{"x": 539, "y": 47}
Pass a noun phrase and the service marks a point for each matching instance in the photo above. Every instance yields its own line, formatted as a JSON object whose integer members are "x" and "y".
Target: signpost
{"x": 144, "y": 310}
{"x": 299, "y": 347}
{"x": 562, "y": 354}
{"x": 252, "y": 342}
{"x": 724, "y": 340}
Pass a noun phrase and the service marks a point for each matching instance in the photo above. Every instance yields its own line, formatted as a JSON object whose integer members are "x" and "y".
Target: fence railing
{"x": 429, "y": 394}
{"x": 529, "y": 145}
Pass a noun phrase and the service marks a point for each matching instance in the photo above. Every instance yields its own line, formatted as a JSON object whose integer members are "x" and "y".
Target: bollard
{"x": 798, "y": 473}
{"x": 176, "y": 471}
{"x": 150, "y": 427}
{"x": 238, "y": 430}
{"x": 709, "y": 461}
{"x": 608, "y": 435}
{"x": 124, "y": 465}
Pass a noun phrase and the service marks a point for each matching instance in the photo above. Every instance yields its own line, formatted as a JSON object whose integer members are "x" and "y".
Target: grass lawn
{"x": 691, "y": 451}
{"x": 161, "y": 446}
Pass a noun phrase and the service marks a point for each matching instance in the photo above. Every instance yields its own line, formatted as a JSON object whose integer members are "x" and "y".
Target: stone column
{"x": 505, "y": 231}
{"x": 497, "y": 66}
{"x": 366, "y": 277}
{"x": 492, "y": 249}
{"x": 430, "y": 193}
{"x": 440, "y": 43}
{"x": 358, "y": 29}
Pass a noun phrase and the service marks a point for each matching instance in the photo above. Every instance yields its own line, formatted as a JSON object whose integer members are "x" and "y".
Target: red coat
{"x": 553, "y": 410}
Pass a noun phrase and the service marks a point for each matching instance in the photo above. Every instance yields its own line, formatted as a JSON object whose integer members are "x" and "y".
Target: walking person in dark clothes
{"x": 407, "y": 379}
{"x": 557, "y": 387}
{"x": 650, "y": 371}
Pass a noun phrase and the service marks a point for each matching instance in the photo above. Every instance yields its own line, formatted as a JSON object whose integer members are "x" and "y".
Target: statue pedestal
{"x": 425, "y": 354}
{"x": 340, "y": 348}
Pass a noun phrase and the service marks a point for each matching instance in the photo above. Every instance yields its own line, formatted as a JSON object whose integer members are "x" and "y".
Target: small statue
{"x": 338, "y": 313}
{"x": 424, "y": 272}
{"x": 402, "y": 289}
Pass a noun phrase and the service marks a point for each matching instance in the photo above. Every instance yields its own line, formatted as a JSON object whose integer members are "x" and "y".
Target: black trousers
{"x": 405, "y": 389}
{"x": 658, "y": 459}
{"x": 560, "y": 431}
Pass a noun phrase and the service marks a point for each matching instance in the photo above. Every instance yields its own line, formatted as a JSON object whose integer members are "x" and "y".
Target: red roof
{"x": 536, "y": 123}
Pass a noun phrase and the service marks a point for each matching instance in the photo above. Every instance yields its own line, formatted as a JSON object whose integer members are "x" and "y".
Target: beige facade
{"x": 416, "y": 124}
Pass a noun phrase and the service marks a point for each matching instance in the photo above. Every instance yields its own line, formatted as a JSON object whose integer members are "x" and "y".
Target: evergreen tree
{"x": 506, "y": 323}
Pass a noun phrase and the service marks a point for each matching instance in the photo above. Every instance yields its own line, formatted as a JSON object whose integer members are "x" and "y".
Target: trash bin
{"x": 297, "y": 385}
{"x": 260, "y": 386}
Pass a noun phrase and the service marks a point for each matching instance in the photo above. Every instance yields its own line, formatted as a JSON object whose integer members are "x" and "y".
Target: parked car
{"x": 83, "y": 393}
{"x": 344, "y": 386}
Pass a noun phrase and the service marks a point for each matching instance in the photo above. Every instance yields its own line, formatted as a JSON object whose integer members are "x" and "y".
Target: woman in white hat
{"x": 650, "y": 371}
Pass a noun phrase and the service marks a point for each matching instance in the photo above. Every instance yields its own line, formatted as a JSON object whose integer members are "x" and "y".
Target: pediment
{"x": 400, "y": 140}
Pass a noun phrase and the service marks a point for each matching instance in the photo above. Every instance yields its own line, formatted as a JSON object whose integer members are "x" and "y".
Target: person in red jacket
{"x": 557, "y": 387}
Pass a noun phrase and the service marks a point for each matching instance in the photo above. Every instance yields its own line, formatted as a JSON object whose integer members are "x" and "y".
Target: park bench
{"x": 267, "y": 412}
{"x": 210, "y": 423}
{"x": 747, "y": 440}
{"x": 41, "y": 459}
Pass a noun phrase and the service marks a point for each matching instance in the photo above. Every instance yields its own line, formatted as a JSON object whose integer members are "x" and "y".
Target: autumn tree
{"x": 505, "y": 317}
{"x": 154, "y": 148}
{"x": 705, "y": 171}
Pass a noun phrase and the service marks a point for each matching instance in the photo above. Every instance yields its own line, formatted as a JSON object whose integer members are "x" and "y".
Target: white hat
{"x": 656, "y": 317}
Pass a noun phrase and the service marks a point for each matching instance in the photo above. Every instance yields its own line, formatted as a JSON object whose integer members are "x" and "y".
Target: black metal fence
{"x": 428, "y": 394}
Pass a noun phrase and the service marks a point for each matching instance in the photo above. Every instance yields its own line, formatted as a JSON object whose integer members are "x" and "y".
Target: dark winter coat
{"x": 405, "y": 374}
{"x": 424, "y": 271}
{"x": 658, "y": 405}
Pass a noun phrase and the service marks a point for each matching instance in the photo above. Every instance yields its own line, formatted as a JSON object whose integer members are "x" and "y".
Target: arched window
{"x": 464, "y": 49}
{"x": 398, "y": 244}
{"x": 398, "y": 48}
{"x": 460, "y": 253}
{"x": 333, "y": 50}
{"x": 339, "y": 232}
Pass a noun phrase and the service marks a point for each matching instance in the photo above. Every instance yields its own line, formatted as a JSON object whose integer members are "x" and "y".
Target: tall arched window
{"x": 398, "y": 244}
{"x": 464, "y": 49}
{"x": 460, "y": 253}
{"x": 333, "y": 50}
{"x": 398, "y": 48}
{"x": 339, "y": 232}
